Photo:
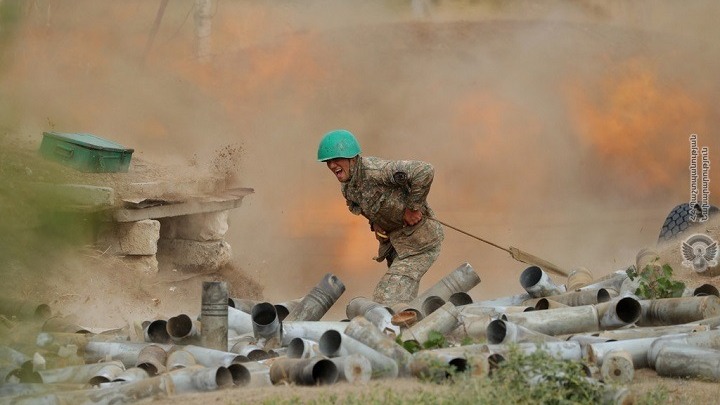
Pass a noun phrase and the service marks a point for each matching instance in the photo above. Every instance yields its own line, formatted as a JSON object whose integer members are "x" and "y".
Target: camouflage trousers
{"x": 402, "y": 280}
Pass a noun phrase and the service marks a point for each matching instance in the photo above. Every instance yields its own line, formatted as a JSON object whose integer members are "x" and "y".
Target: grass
{"x": 537, "y": 378}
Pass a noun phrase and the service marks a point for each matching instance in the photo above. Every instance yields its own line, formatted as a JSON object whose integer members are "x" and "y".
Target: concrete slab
{"x": 137, "y": 210}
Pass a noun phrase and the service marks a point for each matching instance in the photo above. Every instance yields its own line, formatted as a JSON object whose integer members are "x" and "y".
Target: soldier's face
{"x": 340, "y": 168}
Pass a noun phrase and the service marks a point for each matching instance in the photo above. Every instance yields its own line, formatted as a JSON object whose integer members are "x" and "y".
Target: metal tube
{"x": 199, "y": 378}
{"x": 152, "y": 359}
{"x": 266, "y": 324}
{"x": 538, "y": 284}
{"x": 53, "y": 341}
{"x": 612, "y": 281}
{"x": 462, "y": 279}
{"x": 126, "y": 352}
{"x": 367, "y": 333}
{"x": 618, "y": 312}
{"x": 126, "y": 393}
{"x": 182, "y": 329}
{"x": 560, "y": 321}
{"x": 76, "y": 374}
{"x": 319, "y": 300}
{"x": 314, "y": 371}
{"x": 657, "y": 331}
{"x": 474, "y": 358}
{"x": 514, "y": 300}
{"x": 471, "y": 326}
{"x": 240, "y": 375}
{"x": 12, "y": 356}
{"x": 353, "y": 368}
{"x": 503, "y": 332}
{"x": 242, "y": 304}
{"x": 584, "y": 297}
{"x": 638, "y": 349}
{"x": 214, "y": 315}
{"x": 673, "y": 311}
{"x": 259, "y": 374}
{"x": 301, "y": 348}
{"x": 578, "y": 277}
{"x": 211, "y": 357}
{"x": 309, "y": 330}
{"x": 334, "y": 344}
{"x": 711, "y": 323}
{"x": 179, "y": 359}
{"x": 644, "y": 257}
{"x": 251, "y": 351}
{"x": 156, "y": 332}
{"x": 585, "y": 339}
{"x": 704, "y": 289}
{"x": 376, "y": 313}
{"x": 430, "y": 304}
{"x": 542, "y": 304}
{"x": 460, "y": 298}
{"x": 708, "y": 340}
{"x": 558, "y": 350}
{"x": 132, "y": 374}
{"x": 425, "y": 364}
{"x": 617, "y": 367}
{"x": 106, "y": 374}
{"x": 443, "y": 320}
{"x": 240, "y": 322}
{"x": 677, "y": 360}
{"x": 475, "y": 309}
{"x": 283, "y": 309}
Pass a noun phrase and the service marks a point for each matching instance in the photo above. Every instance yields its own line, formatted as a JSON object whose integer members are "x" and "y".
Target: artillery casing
{"x": 367, "y": 333}
{"x": 462, "y": 279}
{"x": 559, "y": 321}
{"x": 214, "y": 315}
{"x": 673, "y": 311}
{"x": 503, "y": 332}
{"x": 578, "y": 277}
{"x": 319, "y": 300}
{"x": 353, "y": 368}
{"x": 334, "y": 344}
{"x": 538, "y": 284}
{"x": 443, "y": 320}
{"x": 314, "y": 371}
{"x": 617, "y": 367}
{"x": 677, "y": 360}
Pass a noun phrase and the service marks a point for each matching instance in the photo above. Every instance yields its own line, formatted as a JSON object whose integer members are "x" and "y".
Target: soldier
{"x": 392, "y": 196}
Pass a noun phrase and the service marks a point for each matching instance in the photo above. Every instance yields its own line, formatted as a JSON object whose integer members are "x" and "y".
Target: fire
{"x": 497, "y": 131}
{"x": 326, "y": 217}
{"x": 637, "y": 126}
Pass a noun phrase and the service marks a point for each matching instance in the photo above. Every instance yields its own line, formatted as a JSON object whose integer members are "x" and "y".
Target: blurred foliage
{"x": 35, "y": 228}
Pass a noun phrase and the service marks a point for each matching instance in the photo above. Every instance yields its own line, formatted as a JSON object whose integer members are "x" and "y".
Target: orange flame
{"x": 630, "y": 118}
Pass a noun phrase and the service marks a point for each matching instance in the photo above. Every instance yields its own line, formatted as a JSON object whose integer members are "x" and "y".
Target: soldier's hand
{"x": 412, "y": 217}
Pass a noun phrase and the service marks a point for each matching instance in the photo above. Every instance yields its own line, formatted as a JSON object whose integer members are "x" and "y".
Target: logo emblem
{"x": 700, "y": 252}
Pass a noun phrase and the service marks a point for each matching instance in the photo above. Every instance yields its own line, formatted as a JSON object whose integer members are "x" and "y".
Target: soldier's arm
{"x": 354, "y": 208}
{"x": 416, "y": 177}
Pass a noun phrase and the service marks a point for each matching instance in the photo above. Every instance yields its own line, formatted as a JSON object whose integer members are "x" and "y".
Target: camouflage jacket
{"x": 380, "y": 190}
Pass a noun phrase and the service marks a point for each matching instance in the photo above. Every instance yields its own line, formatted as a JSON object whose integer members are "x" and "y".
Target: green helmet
{"x": 338, "y": 144}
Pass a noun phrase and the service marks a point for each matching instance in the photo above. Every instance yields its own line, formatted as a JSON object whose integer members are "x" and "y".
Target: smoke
{"x": 561, "y": 129}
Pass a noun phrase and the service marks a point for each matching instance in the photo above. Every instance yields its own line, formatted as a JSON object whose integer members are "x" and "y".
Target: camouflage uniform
{"x": 380, "y": 190}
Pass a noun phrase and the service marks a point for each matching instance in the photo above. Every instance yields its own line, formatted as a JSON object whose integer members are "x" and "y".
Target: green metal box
{"x": 85, "y": 152}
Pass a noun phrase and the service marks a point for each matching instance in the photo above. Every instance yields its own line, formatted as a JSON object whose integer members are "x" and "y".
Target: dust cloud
{"x": 559, "y": 128}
